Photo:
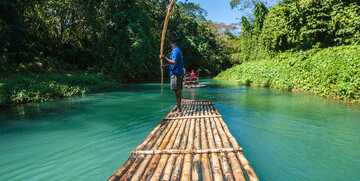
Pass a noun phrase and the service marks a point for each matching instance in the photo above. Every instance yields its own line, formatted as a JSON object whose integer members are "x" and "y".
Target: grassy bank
{"x": 33, "y": 88}
{"x": 332, "y": 72}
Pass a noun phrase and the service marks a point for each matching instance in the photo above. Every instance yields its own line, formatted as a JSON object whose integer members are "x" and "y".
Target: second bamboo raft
{"x": 194, "y": 145}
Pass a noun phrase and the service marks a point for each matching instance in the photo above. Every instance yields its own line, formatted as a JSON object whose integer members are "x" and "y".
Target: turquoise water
{"x": 285, "y": 135}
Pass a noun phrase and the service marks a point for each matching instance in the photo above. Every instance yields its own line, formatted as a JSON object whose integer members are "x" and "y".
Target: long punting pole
{"x": 162, "y": 42}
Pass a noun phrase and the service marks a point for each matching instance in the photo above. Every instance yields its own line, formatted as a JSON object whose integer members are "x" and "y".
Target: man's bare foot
{"x": 177, "y": 112}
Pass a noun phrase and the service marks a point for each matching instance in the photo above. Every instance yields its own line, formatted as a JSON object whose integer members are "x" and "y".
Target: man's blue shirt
{"x": 176, "y": 55}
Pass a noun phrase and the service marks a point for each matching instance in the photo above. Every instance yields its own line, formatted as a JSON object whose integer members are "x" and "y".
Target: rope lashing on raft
{"x": 162, "y": 42}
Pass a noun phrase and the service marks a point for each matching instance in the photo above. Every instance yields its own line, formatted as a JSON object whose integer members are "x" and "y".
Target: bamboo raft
{"x": 193, "y": 85}
{"x": 194, "y": 145}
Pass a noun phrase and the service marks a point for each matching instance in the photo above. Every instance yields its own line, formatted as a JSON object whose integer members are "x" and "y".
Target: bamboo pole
{"x": 119, "y": 173}
{"x": 170, "y": 162}
{"x": 186, "y": 172}
{"x": 214, "y": 159}
{"x": 207, "y": 173}
{"x": 154, "y": 161}
{"x": 192, "y": 117}
{"x": 142, "y": 160}
{"x": 140, "y": 170}
{"x": 152, "y": 133}
{"x": 197, "y": 157}
{"x": 186, "y": 151}
{"x": 151, "y": 167}
{"x": 180, "y": 159}
{"x": 234, "y": 161}
{"x": 243, "y": 161}
{"x": 162, "y": 41}
{"x": 224, "y": 161}
{"x": 129, "y": 162}
{"x": 164, "y": 158}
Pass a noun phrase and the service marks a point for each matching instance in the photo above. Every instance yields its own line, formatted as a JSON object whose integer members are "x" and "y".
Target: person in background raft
{"x": 192, "y": 74}
{"x": 176, "y": 65}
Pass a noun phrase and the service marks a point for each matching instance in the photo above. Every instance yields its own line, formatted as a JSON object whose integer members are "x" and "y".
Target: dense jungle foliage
{"x": 307, "y": 45}
{"x": 117, "y": 40}
{"x": 297, "y": 25}
{"x": 331, "y": 72}
{"x": 61, "y": 48}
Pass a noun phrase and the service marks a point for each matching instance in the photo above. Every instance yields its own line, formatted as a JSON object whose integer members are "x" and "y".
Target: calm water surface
{"x": 285, "y": 135}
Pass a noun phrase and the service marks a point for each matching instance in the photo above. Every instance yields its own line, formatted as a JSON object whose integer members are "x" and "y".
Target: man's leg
{"x": 178, "y": 100}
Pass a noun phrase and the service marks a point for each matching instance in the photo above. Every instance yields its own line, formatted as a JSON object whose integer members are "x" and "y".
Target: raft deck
{"x": 193, "y": 145}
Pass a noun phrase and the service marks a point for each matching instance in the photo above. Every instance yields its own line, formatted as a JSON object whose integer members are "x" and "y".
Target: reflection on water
{"x": 285, "y": 136}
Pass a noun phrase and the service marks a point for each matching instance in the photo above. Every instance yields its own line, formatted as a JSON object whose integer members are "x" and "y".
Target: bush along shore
{"x": 21, "y": 89}
{"x": 332, "y": 72}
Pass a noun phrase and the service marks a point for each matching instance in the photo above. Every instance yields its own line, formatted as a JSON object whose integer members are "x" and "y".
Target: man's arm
{"x": 172, "y": 62}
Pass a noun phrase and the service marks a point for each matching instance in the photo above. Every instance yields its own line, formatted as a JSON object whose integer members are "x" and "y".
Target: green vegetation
{"x": 297, "y": 25}
{"x": 304, "y": 45}
{"x": 332, "y": 72}
{"x": 41, "y": 88}
{"x": 104, "y": 43}
{"x": 117, "y": 39}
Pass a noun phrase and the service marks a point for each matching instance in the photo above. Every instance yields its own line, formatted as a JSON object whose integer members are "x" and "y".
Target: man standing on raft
{"x": 176, "y": 65}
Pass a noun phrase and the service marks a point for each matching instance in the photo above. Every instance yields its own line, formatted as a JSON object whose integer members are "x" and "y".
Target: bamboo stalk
{"x": 196, "y": 162}
{"x": 164, "y": 158}
{"x": 192, "y": 117}
{"x": 180, "y": 159}
{"x": 151, "y": 167}
{"x": 170, "y": 162}
{"x": 247, "y": 167}
{"x": 137, "y": 166}
{"x": 235, "y": 164}
{"x": 119, "y": 173}
{"x": 207, "y": 173}
{"x": 169, "y": 165}
{"x": 186, "y": 172}
{"x": 191, "y": 151}
{"x": 140, "y": 171}
{"x": 152, "y": 133}
{"x": 224, "y": 161}
{"x": 243, "y": 161}
{"x": 214, "y": 159}
{"x": 132, "y": 159}
{"x": 154, "y": 161}
{"x": 162, "y": 41}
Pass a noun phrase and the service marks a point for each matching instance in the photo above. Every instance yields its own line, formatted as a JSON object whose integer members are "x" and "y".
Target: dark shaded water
{"x": 285, "y": 136}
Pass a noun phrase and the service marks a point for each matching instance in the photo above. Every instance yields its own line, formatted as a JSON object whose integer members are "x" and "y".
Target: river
{"x": 285, "y": 135}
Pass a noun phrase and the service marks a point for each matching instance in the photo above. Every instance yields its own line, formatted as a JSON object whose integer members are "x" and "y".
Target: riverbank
{"x": 37, "y": 88}
{"x": 331, "y": 72}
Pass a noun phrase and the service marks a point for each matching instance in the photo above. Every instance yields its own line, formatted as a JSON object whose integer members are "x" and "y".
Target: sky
{"x": 219, "y": 11}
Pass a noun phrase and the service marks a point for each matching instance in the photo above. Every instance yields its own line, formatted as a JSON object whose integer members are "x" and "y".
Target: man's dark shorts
{"x": 176, "y": 81}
